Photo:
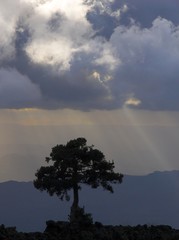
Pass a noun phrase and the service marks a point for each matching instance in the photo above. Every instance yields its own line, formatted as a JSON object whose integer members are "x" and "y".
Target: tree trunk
{"x": 75, "y": 195}
{"x": 74, "y": 207}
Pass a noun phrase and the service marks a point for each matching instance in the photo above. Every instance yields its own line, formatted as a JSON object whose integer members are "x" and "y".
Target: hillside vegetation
{"x": 67, "y": 231}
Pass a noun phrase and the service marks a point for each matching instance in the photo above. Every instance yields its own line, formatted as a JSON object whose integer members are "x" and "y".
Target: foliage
{"x": 71, "y": 165}
{"x": 81, "y": 218}
{"x": 76, "y": 163}
{"x": 67, "y": 231}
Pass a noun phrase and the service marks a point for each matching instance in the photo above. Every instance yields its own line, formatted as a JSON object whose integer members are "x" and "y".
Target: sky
{"x": 104, "y": 70}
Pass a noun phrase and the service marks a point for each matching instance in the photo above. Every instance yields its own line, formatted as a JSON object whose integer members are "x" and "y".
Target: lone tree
{"x": 72, "y": 164}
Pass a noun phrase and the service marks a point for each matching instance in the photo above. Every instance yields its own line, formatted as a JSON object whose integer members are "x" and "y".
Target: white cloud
{"x": 8, "y": 20}
{"x": 132, "y": 102}
{"x": 72, "y": 35}
{"x": 107, "y": 57}
{"x": 103, "y": 6}
{"x": 134, "y": 44}
{"x": 149, "y": 63}
{"x": 72, "y": 31}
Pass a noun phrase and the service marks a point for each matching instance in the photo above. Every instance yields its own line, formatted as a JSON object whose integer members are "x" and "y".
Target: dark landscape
{"x": 66, "y": 231}
{"x": 102, "y": 70}
{"x": 143, "y": 207}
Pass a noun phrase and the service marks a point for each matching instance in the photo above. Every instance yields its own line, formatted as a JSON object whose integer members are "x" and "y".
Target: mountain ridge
{"x": 150, "y": 199}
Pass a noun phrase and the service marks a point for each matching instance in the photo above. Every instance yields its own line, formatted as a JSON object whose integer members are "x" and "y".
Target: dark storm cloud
{"x": 16, "y": 90}
{"x": 146, "y": 11}
{"x": 90, "y": 56}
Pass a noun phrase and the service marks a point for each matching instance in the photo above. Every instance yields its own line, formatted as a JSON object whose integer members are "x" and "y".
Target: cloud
{"x": 84, "y": 57}
{"x": 149, "y": 68}
{"x": 132, "y": 102}
{"x": 8, "y": 28}
{"x": 57, "y": 32}
{"x": 145, "y": 12}
{"x": 16, "y": 90}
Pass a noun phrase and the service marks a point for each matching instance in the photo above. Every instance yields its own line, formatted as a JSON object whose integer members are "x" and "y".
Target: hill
{"x": 151, "y": 199}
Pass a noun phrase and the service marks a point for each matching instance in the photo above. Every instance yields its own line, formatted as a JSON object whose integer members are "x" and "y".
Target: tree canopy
{"x": 73, "y": 164}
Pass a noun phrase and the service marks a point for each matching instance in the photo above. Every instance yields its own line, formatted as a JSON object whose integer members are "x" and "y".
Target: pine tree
{"x": 74, "y": 164}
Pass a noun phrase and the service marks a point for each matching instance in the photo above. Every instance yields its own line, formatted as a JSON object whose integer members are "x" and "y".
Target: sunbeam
{"x": 156, "y": 153}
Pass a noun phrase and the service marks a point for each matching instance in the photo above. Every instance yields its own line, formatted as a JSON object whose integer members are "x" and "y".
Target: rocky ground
{"x": 97, "y": 231}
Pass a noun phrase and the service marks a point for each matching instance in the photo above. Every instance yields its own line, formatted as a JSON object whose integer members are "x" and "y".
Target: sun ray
{"x": 156, "y": 153}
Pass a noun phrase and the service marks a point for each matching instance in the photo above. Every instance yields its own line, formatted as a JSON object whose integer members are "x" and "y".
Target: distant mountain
{"x": 151, "y": 199}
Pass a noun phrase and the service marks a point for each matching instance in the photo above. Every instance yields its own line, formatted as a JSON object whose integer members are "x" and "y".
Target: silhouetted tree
{"x": 72, "y": 164}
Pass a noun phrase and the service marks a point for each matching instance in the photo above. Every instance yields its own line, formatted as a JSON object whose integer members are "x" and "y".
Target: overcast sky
{"x": 106, "y": 70}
